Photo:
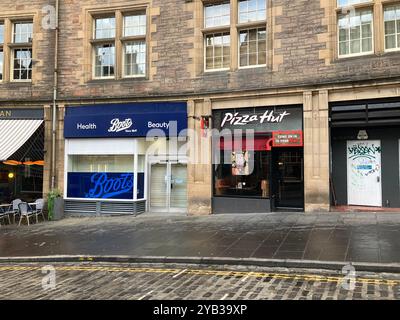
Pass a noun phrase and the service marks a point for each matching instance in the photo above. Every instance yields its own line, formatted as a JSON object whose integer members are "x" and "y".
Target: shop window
{"x": 243, "y": 173}
{"x": 252, "y": 47}
{"x": 392, "y": 27}
{"x": 106, "y": 164}
{"x": 355, "y": 33}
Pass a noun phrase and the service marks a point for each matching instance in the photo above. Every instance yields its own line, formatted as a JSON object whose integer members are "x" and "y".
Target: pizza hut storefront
{"x": 258, "y": 160}
{"x": 125, "y": 158}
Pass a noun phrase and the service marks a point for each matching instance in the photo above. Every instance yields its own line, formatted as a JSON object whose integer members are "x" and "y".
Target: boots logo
{"x": 117, "y": 125}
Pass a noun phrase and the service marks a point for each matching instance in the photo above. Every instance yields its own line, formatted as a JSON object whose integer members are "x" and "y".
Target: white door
{"x": 364, "y": 181}
{"x": 168, "y": 187}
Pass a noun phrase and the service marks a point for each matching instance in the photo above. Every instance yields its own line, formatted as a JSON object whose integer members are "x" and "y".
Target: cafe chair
{"x": 4, "y": 215}
{"x": 39, "y": 205}
{"x": 14, "y": 210}
{"x": 26, "y": 211}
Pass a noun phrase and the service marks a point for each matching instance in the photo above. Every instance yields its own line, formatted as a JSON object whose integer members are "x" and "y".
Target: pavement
{"x": 364, "y": 238}
{"x": 105, "y": 281}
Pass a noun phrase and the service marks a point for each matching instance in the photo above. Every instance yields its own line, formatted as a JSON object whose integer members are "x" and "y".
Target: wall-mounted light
{"x": 11, "y": 175}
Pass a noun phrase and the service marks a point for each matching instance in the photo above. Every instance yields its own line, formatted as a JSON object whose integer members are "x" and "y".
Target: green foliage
{"x": 50, "y": 201}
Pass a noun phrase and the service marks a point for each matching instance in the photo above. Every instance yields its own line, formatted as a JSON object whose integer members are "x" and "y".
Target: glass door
{"x": 288, "y": 178}
{"x": 168, "y": 187}
{"x": 178, "y": 191}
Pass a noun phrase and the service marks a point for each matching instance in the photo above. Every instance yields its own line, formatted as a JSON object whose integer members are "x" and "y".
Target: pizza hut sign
{"x": 269, "y": 116}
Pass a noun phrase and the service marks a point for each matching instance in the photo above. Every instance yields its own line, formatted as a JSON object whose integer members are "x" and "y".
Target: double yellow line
{"x": 207, "y": 272}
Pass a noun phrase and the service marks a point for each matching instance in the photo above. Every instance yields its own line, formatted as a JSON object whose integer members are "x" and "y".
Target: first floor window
{"x": 392, "y": 27}
{"x": 252, "y": 47}
{"x": 135, "y": 58}
{"x": 355, "y": 33}
{"x": 22, "y": 64}
{"x": 104, "y": 61}
{"x": 1, "y": 64}
{"x": 218, "y": 51}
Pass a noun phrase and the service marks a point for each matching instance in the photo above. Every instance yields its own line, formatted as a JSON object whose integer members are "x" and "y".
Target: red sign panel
{"x": 287, "y": 139}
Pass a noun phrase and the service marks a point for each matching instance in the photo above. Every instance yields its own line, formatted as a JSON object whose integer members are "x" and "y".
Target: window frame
{"x": 96, "y": 42}
{"x": 13, "y": 46}
{"x": 253, "y": 65}
{"x": 234, "y": 29}
{"x": 126, "y": 39}
{"x": 119, "y": 41}
{"x": 2, "y": 45}
{"x": 358, "y": 7}
{"x": 384, "y": 6}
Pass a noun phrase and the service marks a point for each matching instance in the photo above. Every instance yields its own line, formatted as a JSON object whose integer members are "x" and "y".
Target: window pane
{"x": 343, "y": 3}
{"x": 96, "y": 164}
{"x": 22, "y": 63}
{"x": 392, "y": 26}
{"x": 1, "y": 33}
{"x": 1, "y": 64}
{"x": 135, "y": 58}
{"x": 355, "y": 33}
{"x": 252, "y": 10}
{"x": 217, "y": 51}
{"x": 105, "y": 28}
{"x": 217, "y": 15}
{"x": 252, "y": 47}
{"x": 23, "y": 32}
{"x": 104, "y": 60}
{"x": 135, "y": 25}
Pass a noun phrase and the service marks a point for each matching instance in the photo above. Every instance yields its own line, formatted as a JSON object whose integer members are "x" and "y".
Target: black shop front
{"x": 258, "y": 162}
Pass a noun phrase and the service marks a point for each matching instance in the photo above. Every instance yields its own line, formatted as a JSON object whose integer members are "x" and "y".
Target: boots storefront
{"x": 258, "y": 159}
{"x": 126, "y": 158}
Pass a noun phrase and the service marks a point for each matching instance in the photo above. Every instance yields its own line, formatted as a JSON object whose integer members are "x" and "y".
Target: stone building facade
{"x": 311, "y": 61}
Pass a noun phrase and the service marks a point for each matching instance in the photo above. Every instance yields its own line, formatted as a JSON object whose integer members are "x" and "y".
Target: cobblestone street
{"x": 89, "y": 281}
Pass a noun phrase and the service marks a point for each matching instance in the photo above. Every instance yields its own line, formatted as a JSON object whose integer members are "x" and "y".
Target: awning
{"x": 14, "y": 134}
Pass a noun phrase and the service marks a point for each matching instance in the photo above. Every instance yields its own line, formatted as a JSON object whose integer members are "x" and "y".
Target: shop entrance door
{"x": 364, "y": 185}
{"x": 287, "y": 179}
{"x": 168, "y": 186}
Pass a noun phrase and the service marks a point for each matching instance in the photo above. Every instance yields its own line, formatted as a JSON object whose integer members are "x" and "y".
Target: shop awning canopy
{"x": 14, "y": 134}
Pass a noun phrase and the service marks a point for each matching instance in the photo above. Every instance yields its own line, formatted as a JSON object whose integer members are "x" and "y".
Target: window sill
{"x": 355, "y": 57}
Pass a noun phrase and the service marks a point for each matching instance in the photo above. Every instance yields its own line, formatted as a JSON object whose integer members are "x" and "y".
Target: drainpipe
{"x": 55, "y": 86}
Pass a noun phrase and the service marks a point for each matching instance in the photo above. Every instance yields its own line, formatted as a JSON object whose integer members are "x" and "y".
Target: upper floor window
{"x": 104, "y": 51}
{"x": 135, "y": 44}
{"x": 345, "y": 3}
{"x": 217, "y": 15}
{"x": 121, "y": 52}
{"x": 23, "y": 32}
{"x": 21, "y": 63}
{"x": 392, "y": 27}
{"x": 1, "y": 50}
{"x": 355, "y": 33}
{"x": 250, "y": 42}
{"x": 105, "y": 28}
{"x": 252, "y": 10}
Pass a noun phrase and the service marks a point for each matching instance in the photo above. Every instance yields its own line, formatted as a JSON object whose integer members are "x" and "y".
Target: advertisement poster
{"x": 240, "y": 161}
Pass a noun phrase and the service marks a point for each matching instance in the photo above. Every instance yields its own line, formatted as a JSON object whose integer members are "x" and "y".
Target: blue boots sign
{"x": 126, "y": 120}
{"x": 101, "y": 185}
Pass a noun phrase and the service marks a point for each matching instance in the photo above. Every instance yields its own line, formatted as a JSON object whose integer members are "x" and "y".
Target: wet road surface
{"x": 358, "y": 237}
